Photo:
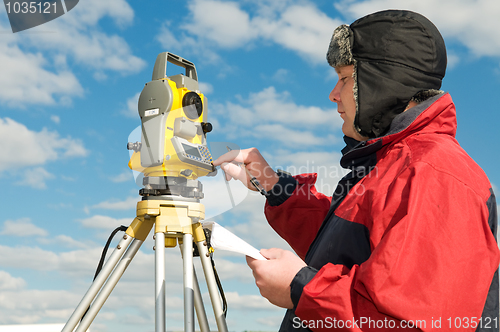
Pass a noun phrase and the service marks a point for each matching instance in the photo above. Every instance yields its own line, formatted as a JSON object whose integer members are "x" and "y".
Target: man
{"x": 408, "y": 239}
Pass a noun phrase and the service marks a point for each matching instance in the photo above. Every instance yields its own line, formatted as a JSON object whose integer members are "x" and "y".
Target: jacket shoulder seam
{"x": 451, "y": 175}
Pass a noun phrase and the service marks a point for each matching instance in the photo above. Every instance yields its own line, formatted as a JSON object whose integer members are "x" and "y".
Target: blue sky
{"x": 68, "y": 103}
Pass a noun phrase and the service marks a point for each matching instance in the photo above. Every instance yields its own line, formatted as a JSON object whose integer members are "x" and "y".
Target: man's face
{"x": 343, "y": 95}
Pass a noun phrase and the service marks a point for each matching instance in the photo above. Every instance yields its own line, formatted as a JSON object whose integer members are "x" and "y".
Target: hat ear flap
{"x": 340, "y": 54}
{"x": 355, "y": 92}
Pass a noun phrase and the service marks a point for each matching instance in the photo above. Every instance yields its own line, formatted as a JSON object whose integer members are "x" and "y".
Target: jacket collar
{"x": 435, "y": 115}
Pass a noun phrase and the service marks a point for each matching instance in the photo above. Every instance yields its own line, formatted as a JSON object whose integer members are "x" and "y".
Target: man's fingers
{"x": 233, "y": 155}
{"x": 250, "y": 260}
{"x": 246, "y": 164}
{"x": 234, "y": 171}
{"x": 271, "y": 253}
{"x": 245, "y": 156}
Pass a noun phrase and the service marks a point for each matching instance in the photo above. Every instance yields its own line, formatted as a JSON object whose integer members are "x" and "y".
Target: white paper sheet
{"x": 223, "y": 239}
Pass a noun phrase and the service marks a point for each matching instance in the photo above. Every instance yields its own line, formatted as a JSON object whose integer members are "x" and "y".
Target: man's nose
{"x": 335, "y": 93}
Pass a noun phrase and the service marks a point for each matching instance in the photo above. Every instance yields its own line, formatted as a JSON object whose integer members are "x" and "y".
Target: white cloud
{"x": 272, "y": 321}
{"x": 41, "y": 58}
{"x": 301, "y": 28}
{"x": 22, "y": 227}
{"x": 230, "y": 270}
{"x": 281, "y": 75}
{"x": 55, "y": 119}
{"x": 275, "y": 115}
{"x": 249, "y": 302}
{"x": 123, "y": 177}
{"x": 472, "y": 23}
{"x": 18, "y": 68}
{"x": 131, "y": 111}
{"x": 20, "y": 257}
{"x": 34, "y": 177}
{"x": 10, "y": 283}
{"x": 94, "y": 10}
{"x": 453, "y": 59}
{"x": 184, "y": 43}
{"x": 222, "y": 22}
{"x": 292, "y": 137}
{"x": 23, "y": 147}
{"x": 28, "y": 306}
{"x": 104, "y": 222}
{"x": 77, "y": 34}
{"x": 21, "y": 305}
{"x": 66, "y": 241}
{"x": 206, "y": 88}
{"x": 269, "y": 105}
{"x": 225, "y": 24}
{"x": 70, "y": 263}
{"x": 128, "y": 204}
{"x": 93, "y": 49}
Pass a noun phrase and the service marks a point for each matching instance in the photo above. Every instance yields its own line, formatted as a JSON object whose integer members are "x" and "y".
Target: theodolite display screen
{"x": 191, "y": 153}
{"x": 191, "y": 150}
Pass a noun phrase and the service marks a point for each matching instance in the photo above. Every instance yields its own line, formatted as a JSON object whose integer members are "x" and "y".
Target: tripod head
{"x": 173, "y": 150}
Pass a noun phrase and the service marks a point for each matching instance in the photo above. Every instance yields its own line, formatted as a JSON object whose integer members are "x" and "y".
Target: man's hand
{"x": 273, "y": 277}
{"x": 256, "y": 165}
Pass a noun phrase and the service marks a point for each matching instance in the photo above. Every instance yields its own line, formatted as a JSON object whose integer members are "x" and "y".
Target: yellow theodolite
{"x": 172, "y": 154}
{"x": 173, "y": 127}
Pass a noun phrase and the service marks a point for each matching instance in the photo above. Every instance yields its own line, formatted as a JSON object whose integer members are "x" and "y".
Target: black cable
{"x": 105, "y": 249}
{"x": 208, "y": 235}
{"x": 103, "y": 255}
{"x": 219, "y": 285}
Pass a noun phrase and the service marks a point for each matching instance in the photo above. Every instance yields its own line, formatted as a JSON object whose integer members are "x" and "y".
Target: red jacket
{"x": 408, "y": 240}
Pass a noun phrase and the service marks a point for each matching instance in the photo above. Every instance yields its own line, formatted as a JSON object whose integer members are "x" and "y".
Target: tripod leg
{"x": 188, "y": 268}
{"x": 200, "y": 308}
{"x": 109, "y": 286}
{"x": 198, "y": 302}
{"x": 160, "y": 282}
{"x": 98, "y": 283}
{"x": 212, "y": 287}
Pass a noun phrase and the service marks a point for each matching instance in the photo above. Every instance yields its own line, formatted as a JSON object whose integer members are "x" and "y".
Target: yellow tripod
{"x": 176, "y": 219}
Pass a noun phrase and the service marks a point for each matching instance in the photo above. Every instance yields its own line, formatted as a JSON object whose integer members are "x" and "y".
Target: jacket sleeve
{"x": 432, "y": 263}
{"x": 295, "y": 210}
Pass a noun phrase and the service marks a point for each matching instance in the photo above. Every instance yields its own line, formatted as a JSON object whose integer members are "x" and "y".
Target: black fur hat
{"x": 396, "y": 54}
